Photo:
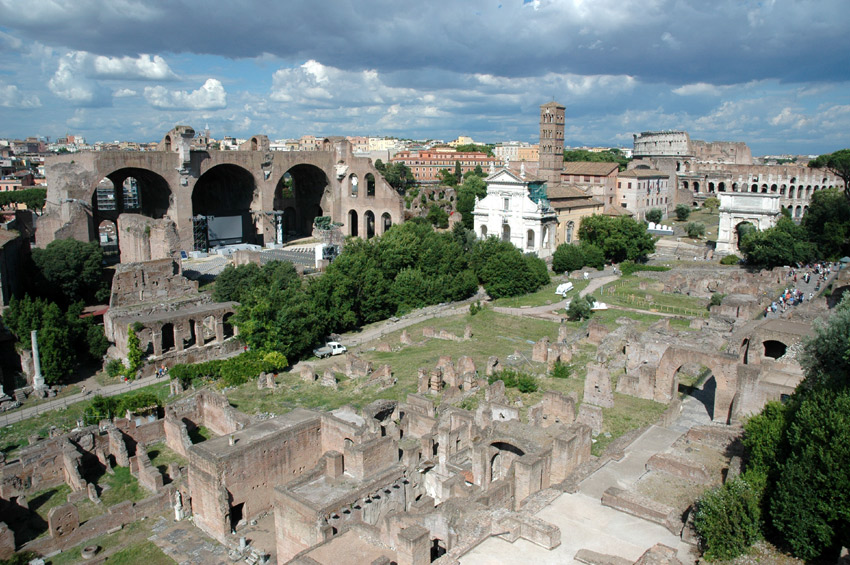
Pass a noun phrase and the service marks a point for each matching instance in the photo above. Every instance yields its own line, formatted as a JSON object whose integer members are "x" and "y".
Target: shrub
{"x": 475, "y": 308}
{"x": 560, "y": 371}
{"x": 711, "y": 203}
{"x": 716, "y": 299}
{"x": 515, "y": 379}
{"x": 730, "y": 260}
{"x": 630, "y": 267}
{"x": 727, "y": 519}
{"x": 683, "y": 212}
{"x": 695, "y": 229}
{"x": 567, "y": 257}
{"x": 654, "y": 215}
{"x": 115, "y": 367}
{"x": 593, "y": 256}
{"x": 578, "y": 309}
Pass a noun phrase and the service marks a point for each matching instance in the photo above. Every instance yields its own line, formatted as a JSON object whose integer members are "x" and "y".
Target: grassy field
{"x": 129, "y": 545}
{"x": 711, "y": 220}
{"x": 119, "y": 487}
{"x": 544, "y": 296}
{"x": 161, "y": 456}
{"x": 14, "y": 436}
{"x": 627, "y": 292}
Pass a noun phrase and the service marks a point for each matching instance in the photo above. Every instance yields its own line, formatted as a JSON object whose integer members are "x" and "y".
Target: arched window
{"x": 529, "y": 239}
{"x": 483, "y": 232}
{"x": 571, "y": 226}
{"x": 352, "y": 180}
{"x": 506, "y": 232}
{"x": 370, "y": 184}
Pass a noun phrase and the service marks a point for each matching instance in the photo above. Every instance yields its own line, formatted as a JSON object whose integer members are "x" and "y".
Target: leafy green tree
{"x": 398, "y": 175}
{"x": 579, "y": 309}
{"x": 447, "y": 178}
{"x": 33, "y": 198}
{"x": 474, "y": 148}
{"x": 68, "y": 270}
{"x": 234, "y": 281}
{"x": 683, "y": 212}
{"x": 783, "y": 244}
{"x": 695, "y": 229}
{"x": 438, "y": 217}
{"x": 619, "y": 238}
{"x": 594, "y": 257}
{"x": 610, "y": 156}
{"x": 134, "y": 353}
{"x": 837, "y": 162}
{"x": 503, "y": 270}
{"x": 727, "y": 519}
{"x": 711, "y": 204}
{"x": 458, "y": 171}
{"x": 473, "y": 187}
{"x": 567, "y": 258}
{"x": 827, "y": 223}
{"x": 655, "y": 215}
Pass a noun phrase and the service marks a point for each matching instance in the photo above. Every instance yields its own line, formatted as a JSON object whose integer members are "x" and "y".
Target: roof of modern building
{"x": 643, "y": 173}
{"x": 589, "y": 168}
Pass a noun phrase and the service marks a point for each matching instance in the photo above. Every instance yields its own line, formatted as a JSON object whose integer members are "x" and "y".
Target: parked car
{"x": 330, "y": 348}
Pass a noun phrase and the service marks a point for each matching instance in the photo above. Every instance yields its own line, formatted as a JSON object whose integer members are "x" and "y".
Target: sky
{"x": 772, "y": 73}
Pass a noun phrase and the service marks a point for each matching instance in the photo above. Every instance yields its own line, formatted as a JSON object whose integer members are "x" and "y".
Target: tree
{"x": 683, "y": 211}
{"x": 458, "y": 171}
{"x": 619, "y": 238}
{"x": 447, "y": 178}
{"x": 655, "y": 215}
{"x": 609, "y": 156}
{"x": 837, "y": 162}
{"x": 783, "y": 244}
{"x": 594, "y": 257}
{"x": 68, "y": 270}
{"x": 134, "y": 353}
{"x": 473, "y": 148}
{"x": 711, "y": 204}
{"x": 473, "y": 187}
{"x": 580, "y": 308}
{"x": 827, "y": 223}
{"x": 398, "y": 175}
{"x": 438, "y": 217}
{"x": 567, "y": 258}
{"x": 727, "y": 519}
{"x": 695, "y": 229}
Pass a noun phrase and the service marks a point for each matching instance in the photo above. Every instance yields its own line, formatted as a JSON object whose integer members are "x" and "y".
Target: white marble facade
{"x": 508, "y": 212}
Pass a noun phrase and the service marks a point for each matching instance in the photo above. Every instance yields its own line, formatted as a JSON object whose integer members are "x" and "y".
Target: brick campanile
{"x": 551, "y": 150}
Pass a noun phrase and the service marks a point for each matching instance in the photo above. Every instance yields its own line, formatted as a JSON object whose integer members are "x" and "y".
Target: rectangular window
{"x": 507, "y": 203}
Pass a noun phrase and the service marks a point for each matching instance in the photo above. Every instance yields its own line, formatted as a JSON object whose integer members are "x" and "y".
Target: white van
{"x": 564, "y": 288}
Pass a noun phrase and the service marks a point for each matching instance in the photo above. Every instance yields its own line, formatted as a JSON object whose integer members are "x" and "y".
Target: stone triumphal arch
{"x": 184, "y": 196}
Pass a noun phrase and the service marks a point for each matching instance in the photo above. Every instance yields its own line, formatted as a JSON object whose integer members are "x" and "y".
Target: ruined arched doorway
{"x": 722, "y": 368}
{"x": 129, "y": 190}
{"x": 107, "y": 235}
{"x": 503, "y": 456}
{"x": 352, "y": 224}
{"x": 369, "y": 218}
{"x": 167, "y": 337}
{"x": 300, "y": 189}
{"x": 386, "y": 222}
{"x": 227, "y": 326}
{"x": 224, "y": 195}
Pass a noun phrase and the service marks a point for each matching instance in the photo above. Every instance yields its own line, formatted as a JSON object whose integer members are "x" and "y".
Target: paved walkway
{"x": 19, "y": 414}
{"x": 801, "y": 284}
{"x": 586, "y": 524}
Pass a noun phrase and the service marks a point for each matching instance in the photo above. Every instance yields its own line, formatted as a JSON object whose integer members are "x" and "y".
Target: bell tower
{"x": 551, "y": 149}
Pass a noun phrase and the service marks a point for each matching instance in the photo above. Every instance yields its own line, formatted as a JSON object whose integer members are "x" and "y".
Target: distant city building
{"x": 595, "y": 179}
{"x": 571, "y": 204}
{"x": 426, "y": 165}
{"x": 641, "y": 190}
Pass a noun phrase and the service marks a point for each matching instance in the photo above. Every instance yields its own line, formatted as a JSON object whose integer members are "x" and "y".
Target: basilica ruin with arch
{"x": 184, "y": 198}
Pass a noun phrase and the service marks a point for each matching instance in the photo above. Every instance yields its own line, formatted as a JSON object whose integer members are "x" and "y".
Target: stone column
{"x": 38, "y": 379}
{"x": 178, "y": 336}
{"x": 156, "y": 339}
{"x": 199, "y": 333}
{"x": 219, "y": 330}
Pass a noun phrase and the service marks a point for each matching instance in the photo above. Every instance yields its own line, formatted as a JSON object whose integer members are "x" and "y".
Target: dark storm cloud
{"x": 721, "y": 42}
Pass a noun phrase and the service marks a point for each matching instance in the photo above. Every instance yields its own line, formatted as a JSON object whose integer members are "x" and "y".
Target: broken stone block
{"x": 493, "y": 365}
{"x": 495, "y": 392}
{"x": 562, "y": 333}
{"x": 63, "y": 520}
{"x": 384, "y": 347}
{"x": 405, "y": 338}
{"x": 329, "y": 379}
{"x": 467, "y": 332}
{"x": 597, "y": 386}
{"x": 540, "y": 352}
{"x": 590, "y": 416}
{"x": 308, "y": 374}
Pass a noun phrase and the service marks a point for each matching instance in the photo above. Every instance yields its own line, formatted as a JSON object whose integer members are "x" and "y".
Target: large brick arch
{"x": 724, "y": 368}
{"x": 73, "y": 179}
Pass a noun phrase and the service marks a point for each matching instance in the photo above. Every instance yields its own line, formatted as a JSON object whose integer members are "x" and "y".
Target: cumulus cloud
{"x": 11, "y": 97}
{"x": 71, "y": 85}
{"x": 143, "y": 67}
{"x": 124, "y": 93}
{"x": 697, "y": 89}
{"x": 210, "y": 96}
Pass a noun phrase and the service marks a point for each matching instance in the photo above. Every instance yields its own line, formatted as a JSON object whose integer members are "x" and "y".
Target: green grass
{"x": 201, "y": 434}
{"x": 122, "y": 486}
{"x": 629, "y": 413}
{"x": 546, "y": 295}
{"x": 627, "y": 292}
{"x": 710, "y": 219}
{"x": 14, "y": 436}
{"x": 161, "y": 456}
{"x": 128, "y": 543}
{"x": 142, "y": 552}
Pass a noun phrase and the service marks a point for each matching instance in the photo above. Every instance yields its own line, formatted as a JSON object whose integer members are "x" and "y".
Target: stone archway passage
{"x": 723, "y": 367}
{"x": 225, "y": 194}
{"x": 299, "y": 193}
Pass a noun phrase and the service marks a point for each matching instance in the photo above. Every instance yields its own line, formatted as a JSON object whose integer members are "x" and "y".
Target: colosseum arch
{"x": 723, "y": 367}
